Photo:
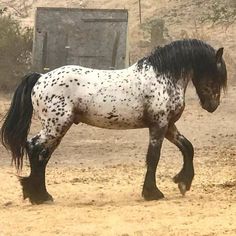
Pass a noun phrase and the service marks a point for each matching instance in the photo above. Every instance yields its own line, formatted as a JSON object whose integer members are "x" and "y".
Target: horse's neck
{"x": 183, "y": 82}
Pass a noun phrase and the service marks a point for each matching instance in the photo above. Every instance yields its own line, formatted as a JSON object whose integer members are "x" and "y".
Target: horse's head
{"x": 214, "y": 79}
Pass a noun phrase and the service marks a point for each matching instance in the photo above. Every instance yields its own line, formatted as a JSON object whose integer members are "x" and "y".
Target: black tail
{"x": 17, "y": 121}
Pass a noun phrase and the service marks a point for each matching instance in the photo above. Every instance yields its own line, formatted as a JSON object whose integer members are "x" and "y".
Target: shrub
{"x": 220, "y": 12}
{"x": 15, "y": 51}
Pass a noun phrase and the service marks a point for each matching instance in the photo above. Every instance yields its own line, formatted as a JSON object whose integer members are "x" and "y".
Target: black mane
{"x": 182, "y": 57}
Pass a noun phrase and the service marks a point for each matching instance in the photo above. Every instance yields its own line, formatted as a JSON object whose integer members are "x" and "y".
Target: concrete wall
{"x": 86, "y": 37}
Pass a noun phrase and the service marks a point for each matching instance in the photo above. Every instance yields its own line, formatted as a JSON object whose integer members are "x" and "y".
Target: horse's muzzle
{"x": 210, "y": 106}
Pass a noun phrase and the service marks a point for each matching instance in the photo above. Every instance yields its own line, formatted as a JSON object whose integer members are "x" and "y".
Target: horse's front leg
{"x": 150, "y": 190}
{"x": 185, "y": 176}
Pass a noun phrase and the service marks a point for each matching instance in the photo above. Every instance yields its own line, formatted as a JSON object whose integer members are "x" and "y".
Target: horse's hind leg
{"x": 185, "y": 176}
{"x": 39, "y": 150}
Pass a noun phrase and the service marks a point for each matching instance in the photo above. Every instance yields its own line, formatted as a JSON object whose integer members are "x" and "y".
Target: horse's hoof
{"x": 182, "y": 188}
{"x": 36, "y": 195}
{"x": 150, "y": 195}
{"x": 47, "y": 199}
{"x": 48, "y": 202}
{"x": 184, "y": 182}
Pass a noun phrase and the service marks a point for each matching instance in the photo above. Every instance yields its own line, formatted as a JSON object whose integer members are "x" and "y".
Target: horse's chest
{"x": 176, "y": 108}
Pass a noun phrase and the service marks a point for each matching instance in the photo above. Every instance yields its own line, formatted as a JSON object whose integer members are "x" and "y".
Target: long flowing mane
{"x": 181, "y": 57}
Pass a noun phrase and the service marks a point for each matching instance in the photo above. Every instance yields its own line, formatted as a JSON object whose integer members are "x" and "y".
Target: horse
{"x": 148, "y": 94}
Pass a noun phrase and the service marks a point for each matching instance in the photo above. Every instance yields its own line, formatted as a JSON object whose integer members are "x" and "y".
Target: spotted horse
{"x": 149, "y": 94}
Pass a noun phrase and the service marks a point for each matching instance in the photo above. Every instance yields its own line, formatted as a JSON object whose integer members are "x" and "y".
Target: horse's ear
{"x": 219, "y": 55}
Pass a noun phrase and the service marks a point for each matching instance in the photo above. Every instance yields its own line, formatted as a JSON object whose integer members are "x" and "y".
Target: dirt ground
{"x": 96, "y": 178}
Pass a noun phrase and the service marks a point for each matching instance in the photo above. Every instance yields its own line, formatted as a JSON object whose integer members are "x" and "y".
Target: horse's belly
{"x": 128, "y": 119}
{"x": 112, "y": 124}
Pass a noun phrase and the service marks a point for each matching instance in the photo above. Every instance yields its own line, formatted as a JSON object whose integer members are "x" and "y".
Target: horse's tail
{"x": 17, "y": 121}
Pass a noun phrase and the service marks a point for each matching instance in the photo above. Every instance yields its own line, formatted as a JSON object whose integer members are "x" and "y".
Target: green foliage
{"x": 15, "y": 51}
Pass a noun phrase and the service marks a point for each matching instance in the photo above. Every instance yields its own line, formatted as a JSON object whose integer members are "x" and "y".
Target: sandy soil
{"x": 96, "y": 178}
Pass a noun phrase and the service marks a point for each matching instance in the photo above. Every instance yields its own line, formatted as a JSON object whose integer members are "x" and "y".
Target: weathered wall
{"x": 87, "y": 37}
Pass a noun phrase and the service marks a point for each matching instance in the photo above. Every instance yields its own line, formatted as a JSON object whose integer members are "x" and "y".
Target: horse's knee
{"x": 33, "y": 146}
